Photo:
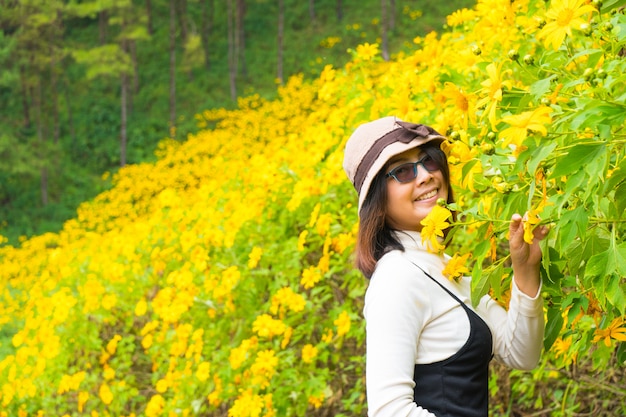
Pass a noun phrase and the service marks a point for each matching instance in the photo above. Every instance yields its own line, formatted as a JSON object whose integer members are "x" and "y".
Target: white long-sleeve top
{"x": 411, "y": 320}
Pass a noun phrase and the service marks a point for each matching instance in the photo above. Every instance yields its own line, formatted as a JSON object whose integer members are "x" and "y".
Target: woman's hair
{"x": 375, "y": 237}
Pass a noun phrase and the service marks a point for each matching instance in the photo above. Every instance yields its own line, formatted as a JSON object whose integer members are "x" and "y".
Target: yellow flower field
{"x": 218, "y": 281}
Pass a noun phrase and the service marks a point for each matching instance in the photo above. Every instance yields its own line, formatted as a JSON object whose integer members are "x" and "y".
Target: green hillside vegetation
{"x": 77, "y": 139}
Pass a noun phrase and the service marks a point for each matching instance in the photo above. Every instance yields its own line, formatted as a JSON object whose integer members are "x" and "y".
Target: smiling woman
{"x": 428, "y": 349}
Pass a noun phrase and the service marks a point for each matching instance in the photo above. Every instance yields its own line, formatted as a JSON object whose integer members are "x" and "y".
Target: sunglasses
{"x": 407, "y": 172}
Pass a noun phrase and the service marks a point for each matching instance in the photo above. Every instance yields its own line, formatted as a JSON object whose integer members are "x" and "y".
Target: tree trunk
{"x": 240, "y": 40}
{"x": 133, "y": 56}
{"x": 102, "y": 26}
{"x": 172, "y": 64}
{"x": 123, "y": 118}
{"x": 208, "y": 11}
{"x": 70, "y": 114}
{"x": 182, "y": 19}
{"x": 392, "y": 15}
{"x": 281, "y": 29}
{"x": 149, "y": 14}
{"x": 232, "y": 67}
{"x": 25, "y": 105}
{"x": 54, "y": 95}
{"x": 339, "y": 10}
{"x": 383, "y": 26}
{"x": 312, "y": 10}
{"x": 42, "y": 145}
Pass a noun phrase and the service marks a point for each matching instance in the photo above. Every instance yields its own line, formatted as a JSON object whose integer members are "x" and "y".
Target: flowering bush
{"x": 218, "y": 280}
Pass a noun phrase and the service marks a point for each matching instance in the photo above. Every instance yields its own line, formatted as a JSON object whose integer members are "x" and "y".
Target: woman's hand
{"x": 526, "y": 258}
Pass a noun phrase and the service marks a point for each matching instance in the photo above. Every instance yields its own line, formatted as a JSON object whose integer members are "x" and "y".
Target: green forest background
{"x": 65, "y": 66}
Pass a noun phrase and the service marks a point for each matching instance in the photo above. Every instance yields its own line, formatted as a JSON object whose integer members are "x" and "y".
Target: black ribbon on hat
{"x": 405, "y": 134}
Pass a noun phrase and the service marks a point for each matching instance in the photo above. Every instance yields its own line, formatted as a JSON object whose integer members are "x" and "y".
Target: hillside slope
{"x": 218, "y": 280}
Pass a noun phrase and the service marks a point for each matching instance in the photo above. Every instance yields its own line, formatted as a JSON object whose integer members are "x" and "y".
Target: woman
{"x": 428, "y": 350}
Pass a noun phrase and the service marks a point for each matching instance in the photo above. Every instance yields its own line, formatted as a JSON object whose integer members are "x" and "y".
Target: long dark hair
{"x": 375, "y": 237}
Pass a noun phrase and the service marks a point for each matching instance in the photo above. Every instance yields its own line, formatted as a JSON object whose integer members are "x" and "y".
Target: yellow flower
{"x": 492, "y": 91}
{"x": 615, "y": 330}
{"x": 434, "y": 225}
{"x": 367, "y": 51}
{"x": 563, "y": 16}
{"x": 264, "y": 367}
{"x": 323, "y": 224}
{"x": 343, "y": 323}
{"x": 286, "y": 298}
{"x": 310, "y": 277}
{"x": 302, "y": 240}
{"x": 105, "y": 394}
{"x": 83, "y": 396}
{"x": 456, "y": 267}
{"x": 266, "y": 326}
{"x": 327, "y": 337}
{"x": 239, "y": 354}
{"x": 561, "y": 346}
{"x": 254, "y": 257}
{"x": 534, "y": 121}
{"x": 461, "y": 16}
{"x": 155, "y": 406}
{"x": 112, "y": 345}
{"x": 108, "y": 373}
{"x": 71, "y": 382}
{"x": 342, "y": 242}
{"x": 141, "y": 307}
{"x": 531, "y": 222}
{"x": 247, "y": 404}
{"x": 286, "y": 337}
{"x": 316, "y": 401}
{"x": 162, "y": 385}
{"x": 309, "y": 352}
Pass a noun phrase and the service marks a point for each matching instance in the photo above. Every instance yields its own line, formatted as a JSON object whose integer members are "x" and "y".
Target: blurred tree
{"x": 172, "y": 51}
{"x": 208, "y": 15}
{"x": 279, "y": 48}
{"x": 116, "y": 59}
{"x": 232, "y": 53}
{"x": 37, "y": 31}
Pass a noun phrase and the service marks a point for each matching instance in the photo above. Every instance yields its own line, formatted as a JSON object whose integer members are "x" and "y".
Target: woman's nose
{"x": 423, "y": 175}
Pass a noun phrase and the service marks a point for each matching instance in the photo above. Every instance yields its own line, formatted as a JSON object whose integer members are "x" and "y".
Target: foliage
{"x": 218, "y": 279}
{"x": 61, "y": 73}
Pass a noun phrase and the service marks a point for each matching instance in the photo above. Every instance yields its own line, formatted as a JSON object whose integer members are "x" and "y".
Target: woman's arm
{"x": 395, "y": 310}
{"x": 526, "y": 258}
{"x": 519, "y": 331}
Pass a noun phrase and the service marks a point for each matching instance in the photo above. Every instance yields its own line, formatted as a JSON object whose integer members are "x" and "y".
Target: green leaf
{"x": 615, "y": 293}
{"x": 553, "y": 327}
{"x": 610, "y": 261}
{"x": 590, "y": 52}
{"x": 539, "y": 155}
{"x": 579, "y": 304}
{"x": 574, "y": 256}
{"x": 468, "y": 167}
{"x": 620, "y": 199}
{"x": 599, "y": 265}
{"x": 617, "y": 177}
{"x": 573, "y": 223}
{"x": 620, "y": 258}
{"x": 578, "y": 157}
{"x": 494, "y": 276}
{"x": 480, "y": 284}
{"x": 541, "y": 87}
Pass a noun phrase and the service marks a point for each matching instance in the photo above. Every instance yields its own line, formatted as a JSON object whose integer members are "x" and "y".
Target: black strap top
{"x": 458, "y": 386}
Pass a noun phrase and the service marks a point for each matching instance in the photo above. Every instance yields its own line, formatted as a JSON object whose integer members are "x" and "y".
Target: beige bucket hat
{"x": 373, "y": 143}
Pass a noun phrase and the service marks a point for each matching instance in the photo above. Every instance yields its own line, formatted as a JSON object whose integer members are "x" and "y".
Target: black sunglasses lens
{"x": 430, "y": 164}
{"x": 405, "y": 172}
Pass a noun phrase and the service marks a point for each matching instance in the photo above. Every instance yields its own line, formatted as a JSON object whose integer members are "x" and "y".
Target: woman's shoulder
{"x": 396, "y": 269}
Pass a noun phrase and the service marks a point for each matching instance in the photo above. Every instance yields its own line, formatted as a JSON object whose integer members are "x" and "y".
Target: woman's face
{"x": 410, "y": 202}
